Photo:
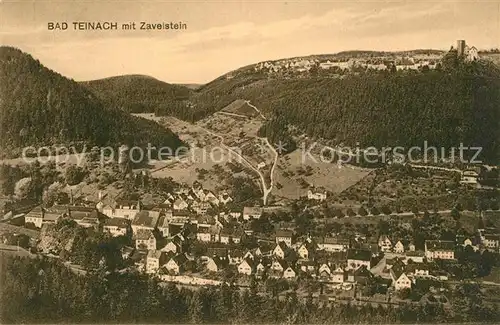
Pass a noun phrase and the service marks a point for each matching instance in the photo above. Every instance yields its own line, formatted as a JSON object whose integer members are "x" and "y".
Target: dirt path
{"x": 267, "y": 190}
{"x": 255, "y": 108}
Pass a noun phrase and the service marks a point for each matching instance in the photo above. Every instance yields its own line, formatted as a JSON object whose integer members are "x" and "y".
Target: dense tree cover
{"x": 276, "y": 131}
{"x": 40, "y": 178}
{"x": 74, "y": 174}
{"x": 384, "y": 109}
{"x": 244, "y": 191}
{"x": 40, "y": 107}
{"x": 456, "y": 103}
{"x": 459, "y": 103}
{"x": 136, "y": 93}
{"x": 44, "y": 290}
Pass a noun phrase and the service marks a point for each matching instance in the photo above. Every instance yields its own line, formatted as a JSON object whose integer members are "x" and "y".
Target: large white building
{"x": 439, "y": 249}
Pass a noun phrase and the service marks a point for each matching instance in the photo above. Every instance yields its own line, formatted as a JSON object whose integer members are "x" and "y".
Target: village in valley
{"x": 394, "y": 234}
{"x": 201, "y": 237}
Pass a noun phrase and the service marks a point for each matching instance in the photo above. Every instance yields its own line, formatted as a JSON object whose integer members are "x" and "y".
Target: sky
{"x": 224, "y": 35}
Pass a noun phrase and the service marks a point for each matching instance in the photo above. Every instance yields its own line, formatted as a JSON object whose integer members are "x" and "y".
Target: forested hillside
{"x": 136, "y": 93}
{"x": 40, "y": 107}
{"x": 444, "y": 109}
{"x": 458, "y": 103}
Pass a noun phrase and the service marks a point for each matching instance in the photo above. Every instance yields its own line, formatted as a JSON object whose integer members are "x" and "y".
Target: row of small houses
{"x": 182, "y": 204}
{"x": 282, "y": 261}
{"x": 485, "y": 239}
{"x": 212, "y": 229}
{"x": 132, "y": 214}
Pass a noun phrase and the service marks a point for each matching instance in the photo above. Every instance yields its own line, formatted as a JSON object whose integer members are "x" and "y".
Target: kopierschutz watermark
{"x": 313, "y": 153}
{"x": 316, "y": 153}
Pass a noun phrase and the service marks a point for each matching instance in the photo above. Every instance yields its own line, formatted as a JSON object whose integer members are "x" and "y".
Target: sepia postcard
{"x": 236, "y": 162}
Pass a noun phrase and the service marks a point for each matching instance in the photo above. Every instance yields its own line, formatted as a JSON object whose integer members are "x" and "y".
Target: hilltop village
{"x": 366, "y": 61}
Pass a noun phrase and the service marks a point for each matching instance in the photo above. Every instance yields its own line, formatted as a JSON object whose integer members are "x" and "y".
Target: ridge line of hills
{"x": 455, "y": 102}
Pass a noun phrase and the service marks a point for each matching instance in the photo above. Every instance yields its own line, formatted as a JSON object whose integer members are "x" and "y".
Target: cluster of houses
{"x": 347, "y": 64}
{"x": 184, "y": 205}
{"x": 410, "y": 61}
{"x": 163, "y": 238}
{"x": 335, "y": 261}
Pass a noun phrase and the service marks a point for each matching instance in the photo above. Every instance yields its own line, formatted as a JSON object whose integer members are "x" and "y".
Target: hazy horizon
{"x": 224, "y": 36}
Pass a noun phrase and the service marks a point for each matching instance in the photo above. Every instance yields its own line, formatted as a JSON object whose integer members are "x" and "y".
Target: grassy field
{"x": 295, "y": 176}
{"x": 240, "y": 107}
{"x": 290, "y": 181}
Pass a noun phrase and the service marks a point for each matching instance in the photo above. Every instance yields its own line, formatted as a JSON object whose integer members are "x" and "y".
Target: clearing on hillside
{"x": 240, "y": 107}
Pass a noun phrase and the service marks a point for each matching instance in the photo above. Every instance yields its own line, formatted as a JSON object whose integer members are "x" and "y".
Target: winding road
{"x": 265, "y": 189}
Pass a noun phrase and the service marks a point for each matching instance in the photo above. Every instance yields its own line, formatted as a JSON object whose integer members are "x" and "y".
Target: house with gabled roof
{"x": 252, "y": 213}
{"x": 250, "y": 254}
{"x": 264, "y": 249}
{"x": 54, "y": 213}
{"x": 163, "y": 224}
{"x": 369, "y": 246}
{"x": 180, "y": 204}
{"x": 35, "y": 216}
{"x": 216, "y": 264}
{"x": 307, "y": 266}
{"x": 204, "y": 235}
{"x": 247, "y": 267}
{"x": 234, "y": 235}
{"x": 307, "y": 250}
{"x": 235, "y": 256}
{"x": 280, "y": 250}
{"x": 176, "y": 265}
{"x": 210, "y": 197}
{"x": 122, "y": 209}
{"x": 324, "y": 271}
{"x": 362, "y": 274}
{"x": 172, "y": 246}
{"x": 338, "y": 275}
{"x": 145, "y": 219}
{"x": 284, "y": 235}
{"x": 358, "y": 257}
{"x": 289, "y": 273}
{"x": 200, "y": 207}
{"x": 417, "y": 270}
{"x": 116, "y": 226}
{"x": 145, "y": 239}
{"x": 385, "y": 243}
{"x": 277, "y": 268}
{"x": 439, "y": 249}
{"x": 399, "y": 277}
{"x": 399, "y": 248}
{"x": 333, "y": 244}
{"x": 260, "y": 268}
{"x": 155, "y": 259}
